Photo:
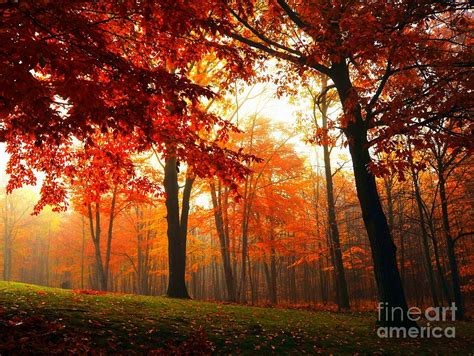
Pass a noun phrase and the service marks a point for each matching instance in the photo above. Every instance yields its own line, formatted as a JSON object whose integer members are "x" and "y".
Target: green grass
{"x": 46, "y": 320}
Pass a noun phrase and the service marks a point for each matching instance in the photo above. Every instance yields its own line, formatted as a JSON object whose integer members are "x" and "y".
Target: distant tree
{"x": 14, "y": 214}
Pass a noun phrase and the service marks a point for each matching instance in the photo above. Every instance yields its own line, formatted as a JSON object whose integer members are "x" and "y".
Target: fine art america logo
{"x": 386, "y": 314}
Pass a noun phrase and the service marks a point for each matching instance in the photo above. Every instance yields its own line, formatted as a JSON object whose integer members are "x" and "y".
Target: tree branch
{"x": 378, "y": 92}
{"x": 293, "y": 15}
{"x": 262, "y": 47}
{"x": 261, "y": 36}
{"x": 463, "y": 234}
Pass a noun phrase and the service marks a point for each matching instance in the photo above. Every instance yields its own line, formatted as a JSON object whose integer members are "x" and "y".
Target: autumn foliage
{"x": 143, "y": 126}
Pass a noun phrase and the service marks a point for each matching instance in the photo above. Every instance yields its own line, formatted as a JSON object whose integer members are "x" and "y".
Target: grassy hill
{"x": 37, "y": 320}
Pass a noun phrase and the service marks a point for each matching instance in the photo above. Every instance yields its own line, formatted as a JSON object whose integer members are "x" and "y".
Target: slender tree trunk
{"x": 273, "y": 276}
{"x": 270, "y": 276}
{"x": 224, "y": 242}
{"x": 439, "y": 266}
{"x": 389, "y": 284}
{"x": 251, "y": 281}
{"x": 110, "y": 235}
{"x": 7, "y": 256}
{"x": 247, "y": 205}
{"x": 243, "y": 278}
{"x": 83, "y": 249}
{"x": 292, "y": 280}
{"x": 177, "y": 229}
{"x": 322, "y": 282}
{"x": 450, "y": 249}
{"x": 96, "y": 235}
{"x": 388, "y": 181}
{"x": 139, "y": 251}
{"x": 402, "y": 239}
{"x": 341, "y": 283}
{"x": 425, "y": 238}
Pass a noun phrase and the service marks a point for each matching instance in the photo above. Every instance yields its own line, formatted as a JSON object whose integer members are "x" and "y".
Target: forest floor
{"x": 40, "y": 320}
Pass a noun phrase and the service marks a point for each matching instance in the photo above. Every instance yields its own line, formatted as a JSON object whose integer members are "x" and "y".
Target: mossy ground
{"x": 37, "y": 320}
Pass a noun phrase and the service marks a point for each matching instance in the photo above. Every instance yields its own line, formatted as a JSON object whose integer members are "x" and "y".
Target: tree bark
{"x": 322, "y": 279}
{"x": 83, "y": 249}
{"x": 402, "y": 239}
{"x": 439, "y": 267}
{"x": 177, "y": 229}
{"x": 101, "y": 278}
{"x": 222, "y": 233}
{"x": 341, "y": 283}
{"x": 270, "y": 275}
{"x": 110, "y": 235}
{"x": 389, "y": 285}
{"x": 450, "y": 248}
{"x": 425, "y": 239}
{"x": 245, "y": 224}
{"x": 143, "y": 253}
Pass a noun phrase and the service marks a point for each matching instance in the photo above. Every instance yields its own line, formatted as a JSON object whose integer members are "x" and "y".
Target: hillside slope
{"x": 37, "y": 320}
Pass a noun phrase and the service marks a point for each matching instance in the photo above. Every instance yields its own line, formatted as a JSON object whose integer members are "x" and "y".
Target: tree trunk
{"x": 341, "y": 284}
{"x": 143, "y": 248}
{"x": 450, "y": 249}
{"x": 83, "y": 249}
{"x": 439, "y": 267}
{"x": 251, "y": 281}
{"x": 245, "y": 222}
{"x": 270, "y": 275}
{"x": 7, "y": 264}
{"x": 110, "y": 235}
{"x": 177, "y": 229}
{"x": 424, "y": 235}
{"x": 273, "y": 276}
{"x": 7, "y": 257}
{"x": 389, "y": 285}
{"x": 247, "y": 205}
{"x": 402, "y": 239}
{"x": 101, "y": 278}
{"x": 224, "y": 243}
{"x": 322, "y": 280}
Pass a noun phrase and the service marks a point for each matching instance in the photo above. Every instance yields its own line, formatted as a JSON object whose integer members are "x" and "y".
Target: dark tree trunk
{"x": 177, "y": 229}
{"x": 450, "y": 248}
{"x": 247, "y": 206}
{"x": 223, "y": 242}
{"x": 270, "y": 275}
{"x": 425, "y": 239}
{"x": 101, "y": 277}
{"x": 251, "y": 281}
{"x": 439, "y": 267}
{"x": 389, "y": 284}
{"x": 110, "y": 235}
{"x": 83, "y": 250}
{"x": 102, "y": 268}
{"x": 293, "y": 289}
{"x": 341, "y": 284}
{"x": 273, "y": 276}
{"x": 322, "y": 279}
{"x": 143, "y": 253}
{"x": 402, "y": 239}
{"x": 388, "y": 280}
{"x": 245, "y": 224}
